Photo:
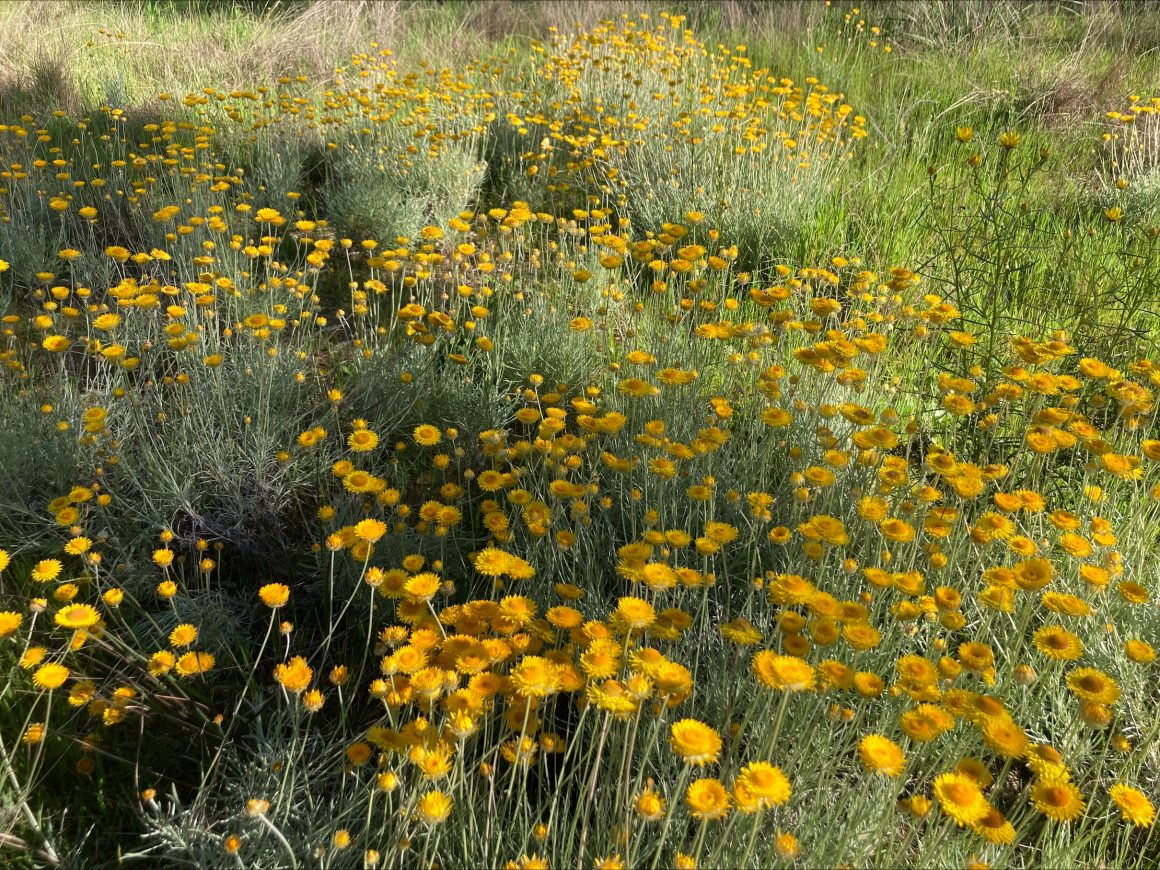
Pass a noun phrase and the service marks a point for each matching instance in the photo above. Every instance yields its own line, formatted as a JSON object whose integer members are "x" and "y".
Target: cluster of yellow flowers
{"x": 749, "y": 535}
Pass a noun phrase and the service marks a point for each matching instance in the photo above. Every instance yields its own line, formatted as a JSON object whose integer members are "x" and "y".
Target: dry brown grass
{"x": 69, "y": 52}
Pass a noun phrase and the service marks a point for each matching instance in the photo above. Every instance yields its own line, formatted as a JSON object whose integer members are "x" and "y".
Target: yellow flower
{"x": 434, "y": 807}
{"x": 423, "y": 587}
{"x": 294, "y": 675}
{"x": 10, "y": 622}
{"x": 33, "y": 734}
{"x": 193, "y": 663}
{"x": 1056, "y": 642}
{"x": 650, "y": 806}
{"x": 695, "y": 742}
{"x": 370, "y": 530}
{"x": 960, "y": 798}
{"x": 492, "y": 562}
{"x": 880, "y": 754}
{"x": 77, "y": 616}
{"x": 427, "y": 435}
{"x": 274, "y": 595}
{"x": 362, "y": 440}
{"x": 761, "y": 786}
{"x": 635, "y": 612}
{"x": 1057, "y": 799}
{"x": 46, "y": 570}
{"x": 78, "y": 546}
{"x": 161, "y": 662}
{"x": 1093, "y": 686}
{"x": 50, "y": 676}
{"x": 785, "y": 673}
{"x": 1134, "y": 805}
{"x": 994, "y": 828}
{"x": 1139, "y": 651}
{"x": 184, "y": 635}
{"x": 707, "y": 799}
{"x": 786, "y": 845}
{"x": 535, "y": 677}
{"x": 56, "y": 343}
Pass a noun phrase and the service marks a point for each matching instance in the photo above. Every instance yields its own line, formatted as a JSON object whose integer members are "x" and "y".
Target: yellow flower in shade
{"x": 362, "y": 440}
{"x": 880, "y": 754}
{"x": 1057, "y": 799}
{"x": 77, "y": 616}
{"x": 33, "y": 734}
{"x": 960, "y": 797}
{"x": 184, "y": 635}
{"x": 32, "y": 657}
{"x": 294, "y": 676}
{"x": 434, "y": 807}
{"x": 50, "y": 676}
{"x": 1134, "y": 805}
{"x": 3, "y": 560}
{"x": 274, "y": 594}
{"x": 785, "y": 673}
{"x": 161, "y": 662}
{"x": 81, "y": 693}
{"x": 635, "y": 612}
{"x": 427, "y": 435}
{"x": 10, "y": 622}
{"x": 370, "y": 530}
{"x": 1093, "y": 686}
{"x": 166, "y": 588}
{"x": 194, "y": 663}
{"x": 46, "y": 570}
{"x": 78, "y": 546}
{"x": 707, "y": 799}
{"x": 695, "y": 742}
